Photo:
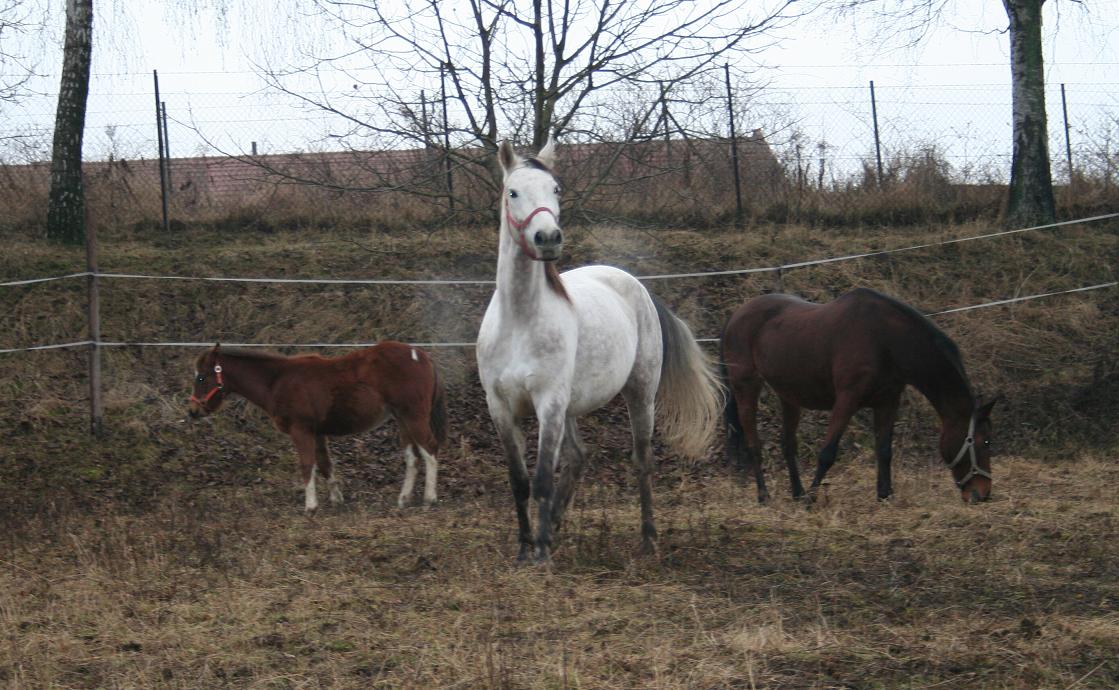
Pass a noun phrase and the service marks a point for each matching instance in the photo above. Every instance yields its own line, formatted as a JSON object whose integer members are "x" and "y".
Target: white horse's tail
{"x": 690, "y": 397}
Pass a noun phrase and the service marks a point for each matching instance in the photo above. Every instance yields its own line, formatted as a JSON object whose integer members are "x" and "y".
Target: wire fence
{"x": 639, "y": 152}
{"x": 776, "y": 269}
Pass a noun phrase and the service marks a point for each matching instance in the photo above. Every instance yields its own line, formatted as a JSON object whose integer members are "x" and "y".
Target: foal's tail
{"x": 438, "y": 419}
{"x": 690, "y": 394}
{"x": 735, "y": 436}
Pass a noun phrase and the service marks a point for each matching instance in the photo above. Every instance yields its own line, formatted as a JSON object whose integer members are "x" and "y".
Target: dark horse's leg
{"x": 790, "y": 420}
{"x": 884, "y": 418}
{"x": 573, "y": 455}
{"x": 513, "y": 443}
{"x": 846, "y": 404}
{"x": 744, "y": 447}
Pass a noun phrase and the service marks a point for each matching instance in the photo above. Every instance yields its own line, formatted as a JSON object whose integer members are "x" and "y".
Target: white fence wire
{"x": 665, "y": 276}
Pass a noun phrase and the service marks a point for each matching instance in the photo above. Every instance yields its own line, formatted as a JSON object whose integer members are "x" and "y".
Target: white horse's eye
{"x": 512, "y": 194}
{"x": 557, "y": 190}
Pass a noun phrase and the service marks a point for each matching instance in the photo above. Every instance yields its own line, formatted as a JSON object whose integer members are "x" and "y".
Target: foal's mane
{"x": 240, "y": 353}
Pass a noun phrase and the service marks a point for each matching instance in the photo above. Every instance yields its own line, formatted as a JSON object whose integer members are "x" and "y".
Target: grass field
{"x": 170, "y": 554}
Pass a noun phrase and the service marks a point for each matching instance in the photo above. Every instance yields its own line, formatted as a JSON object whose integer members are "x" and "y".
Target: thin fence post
{"x": 446, "y": 138}
{"x": 96, "y": 409}
{"x": 167, "y": 152}
{"x": 667, "y": 131}
{"x": 1068, "y": 139}
{"x": 734, "y": 153}
{"x": 162, "y": 159}
{"x": 877, "y": 140}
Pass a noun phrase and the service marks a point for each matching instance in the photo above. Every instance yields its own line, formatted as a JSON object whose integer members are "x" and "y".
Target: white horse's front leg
{"x": 513, "y": 443}
{"x": 552, "y": 418}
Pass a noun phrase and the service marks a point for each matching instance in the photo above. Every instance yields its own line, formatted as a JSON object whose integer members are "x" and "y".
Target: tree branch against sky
{"x": 526, "y": 67}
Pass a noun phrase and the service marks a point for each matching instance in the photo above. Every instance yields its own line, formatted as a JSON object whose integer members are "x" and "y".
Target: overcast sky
{"x": 954, "y": 84}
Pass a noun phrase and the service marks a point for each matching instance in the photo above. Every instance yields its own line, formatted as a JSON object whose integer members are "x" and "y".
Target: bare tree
{"x": 16, "y": 22}
{"x": 66, "y": 210}
{"x": 517, "y": 68}
{"x": 1030, "y": 195}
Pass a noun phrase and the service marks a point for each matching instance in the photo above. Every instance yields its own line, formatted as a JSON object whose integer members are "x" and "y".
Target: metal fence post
{"x": 166, "y": 152}
{"x": 877, "y": 140}
{"x": 162, "y": 160}
{"x": 1068, "y": 140}
{"x": 96, "y": 408}
{"x": 734, "y": 153}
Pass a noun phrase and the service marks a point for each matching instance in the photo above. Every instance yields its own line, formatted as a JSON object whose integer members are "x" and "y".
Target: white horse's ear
{"x": 507, "y": 156}
{"x": 547, "y": 155}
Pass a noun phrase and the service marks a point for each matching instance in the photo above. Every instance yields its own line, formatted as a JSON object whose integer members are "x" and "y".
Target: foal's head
{"x": 967, "y": 450}
{"x": 208, "y": 393}
{"x": 530, "y": 200}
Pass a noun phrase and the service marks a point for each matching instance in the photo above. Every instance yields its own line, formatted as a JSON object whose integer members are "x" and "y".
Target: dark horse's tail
{"x": 438, "y": 419}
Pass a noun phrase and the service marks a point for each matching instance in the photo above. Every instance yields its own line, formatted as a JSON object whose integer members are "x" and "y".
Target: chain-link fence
{"x": 878, "y": 153}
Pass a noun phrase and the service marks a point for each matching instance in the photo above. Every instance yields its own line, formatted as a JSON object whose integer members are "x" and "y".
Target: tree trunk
{"x": 66, "y": 210}
{"x": 1030, "y": 200}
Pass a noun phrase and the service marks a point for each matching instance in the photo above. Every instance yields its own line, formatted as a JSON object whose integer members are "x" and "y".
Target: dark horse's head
{"x": 208, "y": 392}
{"x": 966, "y": 447}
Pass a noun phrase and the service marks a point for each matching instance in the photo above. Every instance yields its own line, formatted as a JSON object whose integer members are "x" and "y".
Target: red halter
{"x": 521, "y": 225}
{"x": 213, "y": 391}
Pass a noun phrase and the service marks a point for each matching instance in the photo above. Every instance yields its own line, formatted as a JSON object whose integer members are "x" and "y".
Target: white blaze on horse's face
{"x": 531, "y": 202}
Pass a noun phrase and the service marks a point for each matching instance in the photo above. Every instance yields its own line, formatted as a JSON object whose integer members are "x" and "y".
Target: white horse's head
{"x": 531, "y": 201}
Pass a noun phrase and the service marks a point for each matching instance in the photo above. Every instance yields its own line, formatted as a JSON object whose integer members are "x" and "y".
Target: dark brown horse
{"x": 861, "y": 350}
{"x": 311, "y": 397}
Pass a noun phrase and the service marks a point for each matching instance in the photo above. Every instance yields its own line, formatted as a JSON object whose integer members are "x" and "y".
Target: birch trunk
{"x": 1030, "y": 199}
{"x": 66, "y": 210}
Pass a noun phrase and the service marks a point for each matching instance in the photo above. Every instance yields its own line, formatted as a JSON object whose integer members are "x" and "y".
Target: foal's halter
{"x": 968, "y": 448}
{"x": 521, "y": 225}
{"x": 213, "y": 391}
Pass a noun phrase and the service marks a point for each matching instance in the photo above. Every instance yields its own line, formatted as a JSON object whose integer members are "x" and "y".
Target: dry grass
{"x": 219, "y": 588}
{"x": 174, "y": 555}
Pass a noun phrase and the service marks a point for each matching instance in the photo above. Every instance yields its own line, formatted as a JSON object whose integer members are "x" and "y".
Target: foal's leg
{"x": 326, "y": 469}
{"x": 409, "y": 476}
{"x": 305, "y": 448}
{"x": 790, "y": 420}
{"x": 846, "y": 404}
{"x": 884, "y": 419}
{"x": 574, "y": 455}
{"x": 415, "y": 433}
{"x": 431, "y": 472}
{"x": 513, "y": 443}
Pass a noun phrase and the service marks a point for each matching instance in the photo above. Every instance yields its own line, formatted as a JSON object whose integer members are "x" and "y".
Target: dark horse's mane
{"x": 939, "y": 339}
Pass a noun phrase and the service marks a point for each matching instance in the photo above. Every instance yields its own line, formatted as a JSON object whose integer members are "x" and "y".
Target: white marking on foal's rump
{"x": 311, "y": 499}
{"x": 415, "y": 357}
{"x": 431, "y": 468}
{"x": 409, "y": 476}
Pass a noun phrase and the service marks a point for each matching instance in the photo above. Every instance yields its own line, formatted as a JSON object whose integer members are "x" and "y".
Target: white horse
{"x": 561, "y": 346}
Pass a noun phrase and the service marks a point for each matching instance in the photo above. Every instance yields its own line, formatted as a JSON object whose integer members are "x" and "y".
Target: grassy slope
{"x": 133, "y": 561}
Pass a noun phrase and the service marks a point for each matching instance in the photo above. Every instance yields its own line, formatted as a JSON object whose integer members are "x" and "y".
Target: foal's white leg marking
{"x": 415, "y": 357}
{"x": 335, "y": 484}
{"x": 409, "y": 476}
{"x": 311, "y": 499}
{"x": 431, "y": 468}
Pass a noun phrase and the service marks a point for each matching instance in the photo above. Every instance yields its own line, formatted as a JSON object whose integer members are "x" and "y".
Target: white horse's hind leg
{"x": 641, "y": 417}
{"x": 409, "y": 476}
{"x": 431, "y": 470}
